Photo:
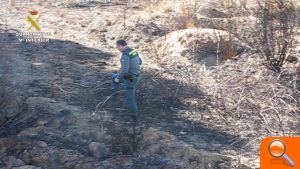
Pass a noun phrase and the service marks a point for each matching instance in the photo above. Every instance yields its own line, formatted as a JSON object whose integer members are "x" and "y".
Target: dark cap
{"x": 121, "y": 42}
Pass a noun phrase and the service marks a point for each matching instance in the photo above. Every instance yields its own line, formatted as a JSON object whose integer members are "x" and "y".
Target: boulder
{"x": 98, "y": 150}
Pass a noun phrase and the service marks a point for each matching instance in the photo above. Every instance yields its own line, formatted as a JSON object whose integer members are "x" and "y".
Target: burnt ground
{"x": 79, "y": 76}
{"x": 58, "y": 109}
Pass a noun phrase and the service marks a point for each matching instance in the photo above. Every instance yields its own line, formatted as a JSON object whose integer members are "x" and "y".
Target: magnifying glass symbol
{"x": 277, "y": 149}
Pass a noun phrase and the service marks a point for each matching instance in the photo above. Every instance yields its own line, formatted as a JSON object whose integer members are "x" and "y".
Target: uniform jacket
{"x": 130, "y": 63}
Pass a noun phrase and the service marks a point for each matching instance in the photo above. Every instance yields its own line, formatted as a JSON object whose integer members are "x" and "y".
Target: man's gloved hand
{"x": 116, "y": 80}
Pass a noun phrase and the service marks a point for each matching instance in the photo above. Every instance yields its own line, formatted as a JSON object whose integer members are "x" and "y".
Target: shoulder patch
{"x": 133, "y": 53}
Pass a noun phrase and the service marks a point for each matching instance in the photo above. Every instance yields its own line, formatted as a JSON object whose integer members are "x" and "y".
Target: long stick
{"x": 108, "y": 97}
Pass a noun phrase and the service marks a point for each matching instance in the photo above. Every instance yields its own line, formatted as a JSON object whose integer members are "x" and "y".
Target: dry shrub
{"x": 187, "y": 18}
{"x": 182, "y": 11}
{"x": 276, "y": 30}
{"x": 250, "y": 99}
{"x": 231, "y": 48}
{"x": 230, "y": 45}
{"x": 158, "y": 56}
{"x": 127, "y": 141}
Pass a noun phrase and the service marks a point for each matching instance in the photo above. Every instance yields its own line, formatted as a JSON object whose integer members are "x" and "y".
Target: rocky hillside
{"x": 206, "y": 97}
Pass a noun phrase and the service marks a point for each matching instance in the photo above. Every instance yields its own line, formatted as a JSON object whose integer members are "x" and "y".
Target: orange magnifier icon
{"x": 277, "y": 149}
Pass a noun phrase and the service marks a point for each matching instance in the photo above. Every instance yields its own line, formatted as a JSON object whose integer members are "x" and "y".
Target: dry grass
{"x": 249, "y": 100}
{"x": 245, "y": 97}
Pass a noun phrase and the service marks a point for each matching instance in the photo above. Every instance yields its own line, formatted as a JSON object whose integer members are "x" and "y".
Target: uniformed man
{"x": 130, "y": 74}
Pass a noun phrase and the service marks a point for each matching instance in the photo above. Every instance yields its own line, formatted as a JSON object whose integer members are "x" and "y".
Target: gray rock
{"x": 42, "y": 144}
{"x": 11, "y": 161}
{"x": 98, "y": 150}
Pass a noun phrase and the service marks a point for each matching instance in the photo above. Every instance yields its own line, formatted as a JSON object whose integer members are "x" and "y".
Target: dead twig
{"x": 61, "y": 89}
